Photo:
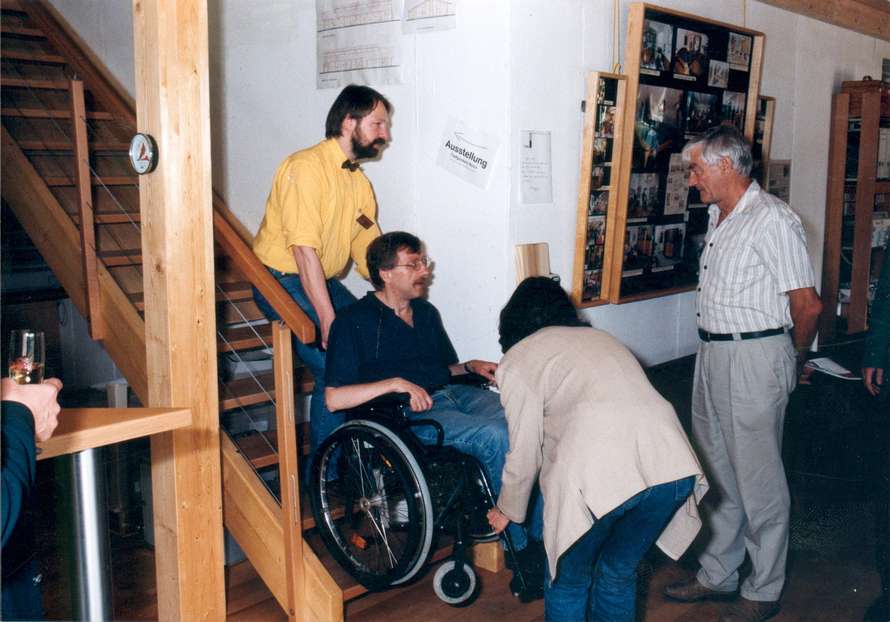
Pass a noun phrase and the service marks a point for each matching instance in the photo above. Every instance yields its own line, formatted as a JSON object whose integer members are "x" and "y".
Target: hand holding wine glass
{"x": 26, "y": 356}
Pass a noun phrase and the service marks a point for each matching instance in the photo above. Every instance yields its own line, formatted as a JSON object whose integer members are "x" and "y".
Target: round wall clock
{"x": 143, "y": 154}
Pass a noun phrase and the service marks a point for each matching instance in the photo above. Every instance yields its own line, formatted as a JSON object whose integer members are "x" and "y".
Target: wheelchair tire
{"x": 454, "y": 586}
{"x": 386, "y": 536}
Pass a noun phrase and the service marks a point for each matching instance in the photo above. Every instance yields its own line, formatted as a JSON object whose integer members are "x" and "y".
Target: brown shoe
{"x": 692, "y": 591}
{"x": 750, "y": 611}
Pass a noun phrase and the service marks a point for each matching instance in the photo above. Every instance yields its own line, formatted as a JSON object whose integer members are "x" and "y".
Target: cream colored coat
{"x": 582, "y": 413}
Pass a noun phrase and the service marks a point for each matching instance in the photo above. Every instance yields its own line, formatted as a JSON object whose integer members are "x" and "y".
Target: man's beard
{"x": 364, "y": 151}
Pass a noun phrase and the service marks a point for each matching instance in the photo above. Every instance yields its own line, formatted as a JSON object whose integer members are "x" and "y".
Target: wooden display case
{"x": 685, "y": 74}
{"x": 594, "y": 266}
{"x": 857, "y": 204}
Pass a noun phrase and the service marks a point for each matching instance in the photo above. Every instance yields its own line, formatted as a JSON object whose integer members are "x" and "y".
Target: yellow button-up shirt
{"x": 315, "y": 202}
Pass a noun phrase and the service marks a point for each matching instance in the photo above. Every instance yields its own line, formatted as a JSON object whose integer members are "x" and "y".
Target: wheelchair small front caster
{"x": 453, "y": 585}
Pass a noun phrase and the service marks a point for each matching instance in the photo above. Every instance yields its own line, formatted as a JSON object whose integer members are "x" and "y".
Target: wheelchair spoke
{"x": 371, "y": 513}
{"x": 382, "y": 533}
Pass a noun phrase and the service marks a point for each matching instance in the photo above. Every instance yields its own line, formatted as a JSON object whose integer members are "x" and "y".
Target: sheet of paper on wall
{"x": 676, "y": 192}
{"x": 467, "y": 153}
{"x": 429, "y": 15}
{"x": 779, "y": 179}
{"x": 358, "y": 42}
{"x": 535, "y": 167}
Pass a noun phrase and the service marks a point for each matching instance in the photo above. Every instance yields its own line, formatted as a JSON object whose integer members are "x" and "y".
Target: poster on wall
{"x": 535, "y": 167}
{"x": 358, "y": 42}
{"x": 655, "y": 56}
{"x": 676, "y": 193}
{"x": 429, "y": 15}
{"x": 691, "y": 55}
{"x": 467, "y": 153}
{"x": 779, "y": 179}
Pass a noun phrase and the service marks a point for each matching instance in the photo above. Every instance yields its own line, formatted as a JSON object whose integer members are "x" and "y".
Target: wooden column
{"x": 172, "y": 97}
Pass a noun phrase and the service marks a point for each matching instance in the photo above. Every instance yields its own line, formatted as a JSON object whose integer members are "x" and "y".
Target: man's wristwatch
{"x": 467, "y": 368}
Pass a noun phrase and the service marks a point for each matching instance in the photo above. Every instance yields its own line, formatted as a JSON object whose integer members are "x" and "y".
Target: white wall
{"x": 509, "y": 65}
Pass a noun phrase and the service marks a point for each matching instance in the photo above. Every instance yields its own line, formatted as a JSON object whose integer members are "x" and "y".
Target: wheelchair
{"x": 381, "y": 499}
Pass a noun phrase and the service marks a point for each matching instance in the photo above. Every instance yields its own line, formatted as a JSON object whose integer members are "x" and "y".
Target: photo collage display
{"x": 600, "y": 187}
{"x": 692, "y": 76}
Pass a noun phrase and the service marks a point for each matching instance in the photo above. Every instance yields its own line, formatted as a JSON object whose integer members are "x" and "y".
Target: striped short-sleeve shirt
{"x": 756, "y": 255}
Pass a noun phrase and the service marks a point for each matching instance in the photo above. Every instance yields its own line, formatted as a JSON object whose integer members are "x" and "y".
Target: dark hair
{"x": 354, "y": 102}
{"x": 538, "y": 302}
{"x": 383, "y": 253}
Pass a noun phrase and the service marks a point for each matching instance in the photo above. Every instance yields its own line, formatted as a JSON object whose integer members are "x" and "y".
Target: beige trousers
{"x": 739, "y": 396}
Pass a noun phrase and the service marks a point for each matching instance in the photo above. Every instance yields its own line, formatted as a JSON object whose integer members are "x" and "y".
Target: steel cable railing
{"x": 52, "y": 167}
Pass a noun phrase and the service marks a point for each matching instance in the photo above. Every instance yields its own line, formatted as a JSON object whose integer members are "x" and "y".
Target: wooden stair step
{"x": 259, "y": 448}
{"x": 12, "y": 6}
{"x": 243, "y": 392}
{"x": 43, "y": 113}
{"x": 113, "y": 218}
{"x": 231, "y": 292}
{"x": 118, "y": 259}
{"x": 58, "y": 145}
{"x": 26, "y": 83}
{"x": 245, "y": 337}
{"x": 104, "y": 181}
{"x": 34, "y": 57}
{"x": 350, "y": 587}
{"x": 242, "y": 597}
{"x": 21, "y": 31}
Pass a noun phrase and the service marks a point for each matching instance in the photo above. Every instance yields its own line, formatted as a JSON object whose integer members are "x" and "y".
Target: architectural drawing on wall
{"x": 358, "y": 42}
{"x": 426, "y": 15}
{"x": 333, "y": 14}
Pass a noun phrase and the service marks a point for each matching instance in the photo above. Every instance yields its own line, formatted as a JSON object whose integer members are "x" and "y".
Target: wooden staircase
{"x": 79, "y": 202}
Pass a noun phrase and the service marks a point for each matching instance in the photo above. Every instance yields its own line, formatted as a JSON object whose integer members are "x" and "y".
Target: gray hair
{"x": 723, "y": 141}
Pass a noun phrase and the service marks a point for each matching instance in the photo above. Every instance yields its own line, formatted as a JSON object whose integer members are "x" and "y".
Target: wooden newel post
{"x": 85, "y": 209}
{"x": 172, "y": 95}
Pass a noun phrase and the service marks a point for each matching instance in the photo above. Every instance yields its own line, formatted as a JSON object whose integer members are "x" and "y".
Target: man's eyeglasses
{"x": 417, "y": 264}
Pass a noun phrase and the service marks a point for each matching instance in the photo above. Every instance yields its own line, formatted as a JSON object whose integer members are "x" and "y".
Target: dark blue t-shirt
{"x": 369, "y": 342}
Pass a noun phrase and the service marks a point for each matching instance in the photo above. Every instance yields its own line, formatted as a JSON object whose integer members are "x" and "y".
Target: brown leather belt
{"x": 757, "y": 334}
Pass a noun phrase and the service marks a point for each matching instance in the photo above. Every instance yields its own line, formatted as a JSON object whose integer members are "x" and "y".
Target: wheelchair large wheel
{"x": 372, "y": 505}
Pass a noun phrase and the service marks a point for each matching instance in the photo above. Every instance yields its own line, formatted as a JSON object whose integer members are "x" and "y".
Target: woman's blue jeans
{"x": 596, "y": 579}
{"x": 321, "y": 421}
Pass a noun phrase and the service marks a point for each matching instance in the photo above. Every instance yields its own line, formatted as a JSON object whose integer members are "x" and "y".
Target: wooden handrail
{"x": 231, "y": 241}
{"x": 88, "y": 428}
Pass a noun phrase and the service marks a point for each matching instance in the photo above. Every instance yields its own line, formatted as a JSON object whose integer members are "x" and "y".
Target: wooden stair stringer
{"x": 58, "y": 240}
{"x": 253, "y": 516}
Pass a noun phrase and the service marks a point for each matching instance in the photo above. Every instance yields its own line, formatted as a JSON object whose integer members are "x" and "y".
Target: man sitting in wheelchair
{"x": 393, "y": 341}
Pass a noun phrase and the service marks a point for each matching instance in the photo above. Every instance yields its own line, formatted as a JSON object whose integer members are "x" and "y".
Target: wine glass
{"x": 26, "y": 356}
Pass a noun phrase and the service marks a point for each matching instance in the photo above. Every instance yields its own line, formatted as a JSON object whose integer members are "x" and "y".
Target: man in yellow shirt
{"x": 321, "y": 212}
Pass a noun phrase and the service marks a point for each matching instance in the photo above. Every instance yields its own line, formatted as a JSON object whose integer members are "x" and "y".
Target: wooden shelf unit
{"x": 858, "y": 112}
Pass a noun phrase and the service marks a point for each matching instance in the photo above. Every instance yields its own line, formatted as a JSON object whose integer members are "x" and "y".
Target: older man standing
{"x": 756, "y": 311}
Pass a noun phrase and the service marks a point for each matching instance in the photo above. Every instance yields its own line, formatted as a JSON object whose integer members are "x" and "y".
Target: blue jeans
{"x": 321, "y": 421}
{"x": 596, "y": 579}
{"x": 474, "y": 423}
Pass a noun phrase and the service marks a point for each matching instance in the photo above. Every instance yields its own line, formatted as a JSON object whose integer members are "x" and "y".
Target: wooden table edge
{"x": 87, "y": 428}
